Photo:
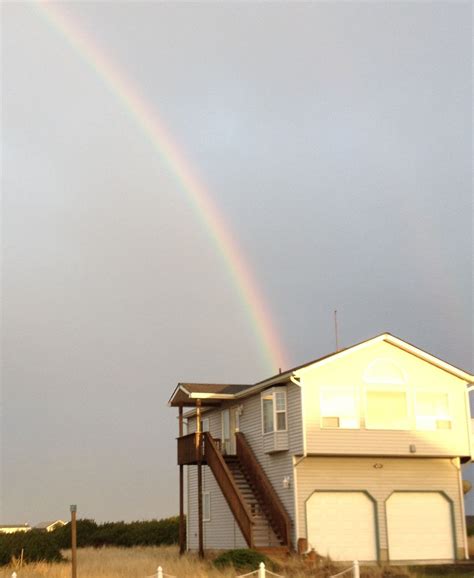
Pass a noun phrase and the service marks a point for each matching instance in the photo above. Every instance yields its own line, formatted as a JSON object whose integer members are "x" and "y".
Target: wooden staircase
{"x": 263, "y": 534}
{"x": 252, "y": 499}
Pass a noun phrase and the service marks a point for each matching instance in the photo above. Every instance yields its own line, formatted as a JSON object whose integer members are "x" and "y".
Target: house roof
{"x": 212, "y": 394}
{"x": 45, "y": 525}
{"x": 209, "y": 393}
{"x": 387, "y": 337}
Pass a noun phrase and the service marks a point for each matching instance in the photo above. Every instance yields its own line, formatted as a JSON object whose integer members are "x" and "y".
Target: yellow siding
{"x": 405, "y": 474}
{"x": 352, "y": 369}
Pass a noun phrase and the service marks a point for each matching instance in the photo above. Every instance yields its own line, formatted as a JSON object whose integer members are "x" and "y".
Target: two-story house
{"x": 357, "y": 455}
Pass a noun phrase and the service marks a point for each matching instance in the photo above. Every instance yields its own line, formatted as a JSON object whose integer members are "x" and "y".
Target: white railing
{"x": 262, "y": 572}
{"x": 355, "y": 569}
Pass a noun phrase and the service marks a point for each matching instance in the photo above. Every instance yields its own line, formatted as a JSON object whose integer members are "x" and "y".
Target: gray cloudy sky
{"x": 336, "y": 140}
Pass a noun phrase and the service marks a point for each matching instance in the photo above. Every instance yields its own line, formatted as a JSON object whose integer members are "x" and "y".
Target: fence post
{"x": 261, "y": 570}
{"x": 356, "y": 569}
{"x": 160, "y": 572}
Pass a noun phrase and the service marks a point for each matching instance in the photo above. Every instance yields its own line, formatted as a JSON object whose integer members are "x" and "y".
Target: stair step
{"x": 263, "y": 534}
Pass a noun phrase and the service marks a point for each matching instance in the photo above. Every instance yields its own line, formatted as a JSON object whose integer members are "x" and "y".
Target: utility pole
{"x": 73, "y": 509}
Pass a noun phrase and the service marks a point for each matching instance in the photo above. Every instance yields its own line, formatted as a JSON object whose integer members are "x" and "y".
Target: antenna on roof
{"x": 336, "y": 329}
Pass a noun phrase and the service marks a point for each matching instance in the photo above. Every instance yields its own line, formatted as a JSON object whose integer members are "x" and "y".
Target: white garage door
{"x": 419, "y": 526}
{"x": 342, "y": 525}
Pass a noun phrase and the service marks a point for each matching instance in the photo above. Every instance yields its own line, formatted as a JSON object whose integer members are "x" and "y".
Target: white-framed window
{"x": 339, "y": 407}
{"x": 274, "y": 410}
{"x": 386, "y": 407}
{"x": 206, "y": 506}
{"x": 205, "y": 424}
{"x": 432, "y": 410}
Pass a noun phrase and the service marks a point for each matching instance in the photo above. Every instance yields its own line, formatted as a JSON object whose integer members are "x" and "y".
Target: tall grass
{"x": 137, "y": 562}
{"x": 143, "y": 561}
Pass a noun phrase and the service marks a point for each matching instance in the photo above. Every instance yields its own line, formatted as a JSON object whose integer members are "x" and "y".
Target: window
{"x": 280, "y": 410}
{"x": 274, "y": 411}
{"x": 267, "y": 409}
{"x": 387, "y": 407}
{"x": 206, "y": 506}
{"x": 205, "y": 424}
{"x": 339, "y": 407}
{"x": 432, "y": 410}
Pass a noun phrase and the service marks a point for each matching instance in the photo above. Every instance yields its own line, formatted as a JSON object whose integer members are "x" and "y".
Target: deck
{"x": 191, "y": 449}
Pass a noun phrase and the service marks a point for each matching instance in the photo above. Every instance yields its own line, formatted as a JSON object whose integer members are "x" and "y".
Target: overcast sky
{"x": 335, "y": 139}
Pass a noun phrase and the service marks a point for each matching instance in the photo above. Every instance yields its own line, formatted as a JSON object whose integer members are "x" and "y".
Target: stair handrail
{"x": 231, "y": 492}
{"x": 279, "y": 518}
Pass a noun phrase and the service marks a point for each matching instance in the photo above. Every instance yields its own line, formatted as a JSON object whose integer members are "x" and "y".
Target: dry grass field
{"x": 142, "y": 562}
{"x": 137, "y": 562}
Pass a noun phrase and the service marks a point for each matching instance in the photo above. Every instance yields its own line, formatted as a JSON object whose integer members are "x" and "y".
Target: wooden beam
{"x": 182, "y": 529}
{"x": 199, "y": 466}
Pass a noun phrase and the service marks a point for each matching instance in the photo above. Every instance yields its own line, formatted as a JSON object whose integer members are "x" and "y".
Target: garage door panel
{"x": 419, "y": 526}
{"x": 334, "y": 519}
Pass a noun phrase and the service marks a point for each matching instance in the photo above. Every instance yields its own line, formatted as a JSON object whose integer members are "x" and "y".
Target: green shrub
{"x": 126, "y": 535}
{"x": 243, "y": 559}
{"x": 85, "y": 530}
{"x": 37, "y": 546}
{"x": 43, "y": 546}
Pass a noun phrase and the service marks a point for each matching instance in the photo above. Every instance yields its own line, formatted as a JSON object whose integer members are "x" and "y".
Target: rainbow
{"x": 152, "y": 126}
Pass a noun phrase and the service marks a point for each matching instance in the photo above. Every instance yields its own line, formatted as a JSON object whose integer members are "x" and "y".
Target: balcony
{"x": 191, "y": 449}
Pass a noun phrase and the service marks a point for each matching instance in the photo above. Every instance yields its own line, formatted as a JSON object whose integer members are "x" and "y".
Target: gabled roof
{"x": 45, "y": 525}
{"x": 209, "y": 393}
{"x": 388, "y": 338}
{"x": 212, "y": 394}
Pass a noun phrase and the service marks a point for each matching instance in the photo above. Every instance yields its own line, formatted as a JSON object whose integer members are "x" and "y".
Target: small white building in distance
{"x": 12, "y": 528}
{"x": 49, "y": 526}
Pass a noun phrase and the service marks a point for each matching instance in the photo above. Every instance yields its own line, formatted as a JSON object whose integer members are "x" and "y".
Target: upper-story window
{"x": 274, "y": 410}
{"x": 386, "y": 407}
{"x": 432, "y": 410}
{"x": 339, "y": 407}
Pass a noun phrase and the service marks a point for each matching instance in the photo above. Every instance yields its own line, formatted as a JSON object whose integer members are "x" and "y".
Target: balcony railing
{"x": 191, "y": 448}
{"x": 229, "y": 488}
{"x": 269, "y": 499}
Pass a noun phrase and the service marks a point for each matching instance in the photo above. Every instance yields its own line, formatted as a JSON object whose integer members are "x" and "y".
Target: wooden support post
{"x": 199, "y": 466}
{"x": 73, "y": 541}
{"x": 182, "y": 529}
